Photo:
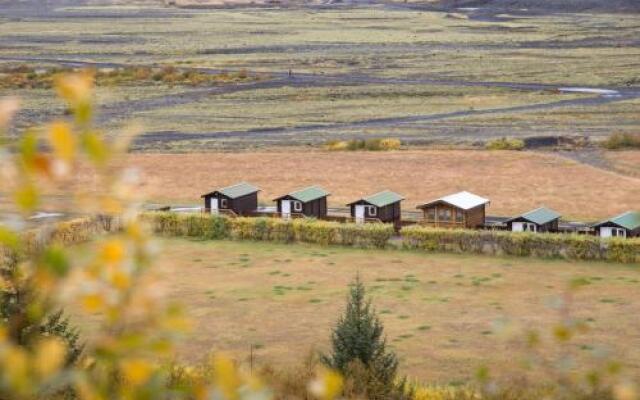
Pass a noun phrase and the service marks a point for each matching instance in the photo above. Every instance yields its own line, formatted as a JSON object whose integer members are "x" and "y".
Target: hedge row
{"x": 270, "y": 229}
{"x": 65, "y": 233}
{"x": 544, "y": 245}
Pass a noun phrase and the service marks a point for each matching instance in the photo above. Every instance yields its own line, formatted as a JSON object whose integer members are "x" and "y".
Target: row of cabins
{"x": 459, "y": 210}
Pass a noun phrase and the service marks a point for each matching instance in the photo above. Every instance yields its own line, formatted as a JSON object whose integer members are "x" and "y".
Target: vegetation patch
{"x": 544, "y": 245}
{"x": 364, "y": 144}
{"x": 505, "y": 144}
{"x": 621, "y": 140}
{"x": 271, "y": 229}
{"x": 27, "y": 77}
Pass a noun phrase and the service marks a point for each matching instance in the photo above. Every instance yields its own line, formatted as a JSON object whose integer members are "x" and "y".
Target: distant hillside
{"x": 548, "y": 5}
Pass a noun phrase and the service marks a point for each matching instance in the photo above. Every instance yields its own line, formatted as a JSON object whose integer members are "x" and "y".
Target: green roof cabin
{"x": 539, "y": 220}
{"x": 308, "y": 202}
{"x": 380, "y": 207}
{"x": 238, "y": 199}
{"x": 624, "y": 225}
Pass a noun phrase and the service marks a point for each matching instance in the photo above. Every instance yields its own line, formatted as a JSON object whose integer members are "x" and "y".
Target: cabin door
{"x": 360, "y": 214}
{"x": 285, "y": 206}
{"x": 214, "y": 206}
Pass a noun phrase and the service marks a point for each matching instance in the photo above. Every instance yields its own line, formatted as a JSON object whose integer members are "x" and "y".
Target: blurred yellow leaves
{"x": 75, "y": 87}
{"x": 21, "y": 369}
{"x": 136, "y": 371}
{"x": 50, "y": 355}
{"x": 135, "y": 324}
{"x": 327, "y": 385}
{"x": 93, "y": 302}
{"x": 95, "y": 147}
{"x": 26, "y": 197}
{"x": 62, "y": 141}
{"x": 112, "y": 251}
{"x": 226, "y": 377}
{"x": 15, "y": 368}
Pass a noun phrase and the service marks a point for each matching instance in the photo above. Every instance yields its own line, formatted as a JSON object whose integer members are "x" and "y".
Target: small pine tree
{"x": 359, "y": 349}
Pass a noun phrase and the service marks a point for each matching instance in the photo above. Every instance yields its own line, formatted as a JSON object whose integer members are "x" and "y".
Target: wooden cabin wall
{"x": 472, "y": 218}
{"x": 389, "y": 213}
{"x": 315, "y": 208}
{"x": 244, "y": 205}
{"x": 475, "y": 217}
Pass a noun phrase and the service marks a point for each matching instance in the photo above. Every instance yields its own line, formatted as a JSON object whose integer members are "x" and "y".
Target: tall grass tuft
{"x": 505, "y": 144}
{"x": 387, "y": 144}
{"x": 621, "y": 140}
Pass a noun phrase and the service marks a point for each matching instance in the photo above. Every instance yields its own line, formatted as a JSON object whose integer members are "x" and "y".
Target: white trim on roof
{"x": 464, "y": 200}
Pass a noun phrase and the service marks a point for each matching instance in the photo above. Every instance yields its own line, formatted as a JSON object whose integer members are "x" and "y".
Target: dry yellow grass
{"x": 514, "y": 181}
{"x": 627, "y": 162}
{"x": 440, "y": 311}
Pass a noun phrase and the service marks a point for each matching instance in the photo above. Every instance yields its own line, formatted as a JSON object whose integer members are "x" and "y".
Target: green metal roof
{"x": 383, "y": 198}
{"x": 238, "y": 190}
{"x": 309, "y": 194}
{"x": 629, "y": 220}
{"x": 539, "y": 216}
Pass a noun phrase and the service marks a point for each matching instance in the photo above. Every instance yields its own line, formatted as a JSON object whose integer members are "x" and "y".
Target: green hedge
{"x": 270, "y": 229}
{"x": 574, "y": 247}
{"x": 544, "y": 245}
{"x": 64, "y": 233}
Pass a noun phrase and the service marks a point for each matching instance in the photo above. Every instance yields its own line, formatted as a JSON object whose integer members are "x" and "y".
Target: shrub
{"x": 505, "y": 144}
{"x": 336, "y": 145}
{"x": 361, "y": 144}
{"x": 390, "y": 144}
{"x": 622, "y": 141}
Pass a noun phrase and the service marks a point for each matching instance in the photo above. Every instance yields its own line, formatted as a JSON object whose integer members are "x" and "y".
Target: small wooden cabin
{"x": 625, "y": 225}
{"x": 239, "y": 199}
{"x": 459, "y": 210}
{"x": 539, "y": 220}
{"x": 309, "y": 202}
{"x": 383, "y": 207}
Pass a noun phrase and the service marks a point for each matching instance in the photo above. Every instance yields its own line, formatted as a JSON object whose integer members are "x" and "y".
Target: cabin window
{"x": 617, "y": 232}
{"x": 431, "y": 214}
{"x": 297, "y": 206}
{"x": 459, "y": 216}
{"x": 444, "y": 214}
{"x": 223, "y": 203}
{"x": 373, "y": 211}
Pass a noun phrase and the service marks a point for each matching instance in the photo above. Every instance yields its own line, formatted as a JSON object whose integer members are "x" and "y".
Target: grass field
{"x": 366, "y": 64}
{"x": 514, "y": 181}
{"x": 290, "y": 107}
{"x": 627, "y": 162}
{"x": 441, "y": 312}
{"x": 556, "y": 48}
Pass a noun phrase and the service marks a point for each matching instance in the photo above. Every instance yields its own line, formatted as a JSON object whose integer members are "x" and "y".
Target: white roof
{"x": 464, "y": 200}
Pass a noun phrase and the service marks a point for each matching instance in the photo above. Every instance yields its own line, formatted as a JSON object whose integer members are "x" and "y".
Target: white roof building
{"x": 463, "y": 200}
